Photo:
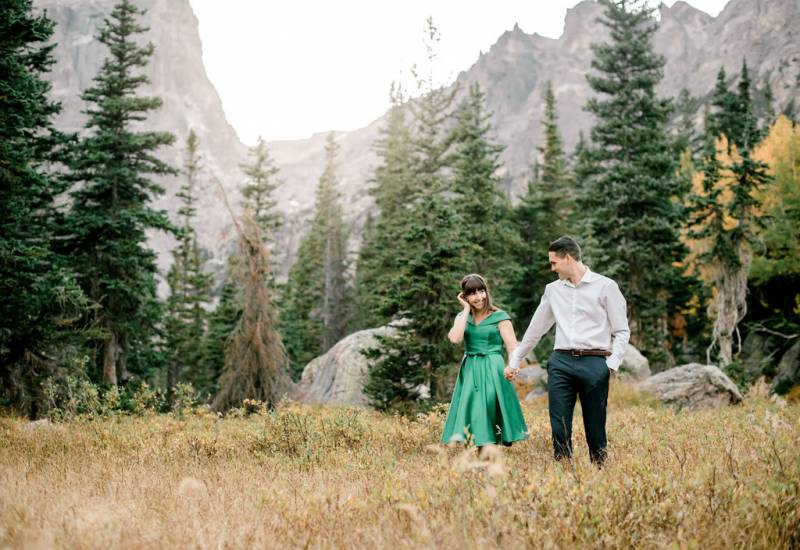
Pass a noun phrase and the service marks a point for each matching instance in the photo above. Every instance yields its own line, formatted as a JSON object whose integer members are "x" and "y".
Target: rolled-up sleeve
{"x": 543, "y": 319}
{"x": 617, "y": 311}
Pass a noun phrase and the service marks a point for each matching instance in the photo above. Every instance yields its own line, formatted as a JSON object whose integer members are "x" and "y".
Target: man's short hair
{"x": 566, "y": 245}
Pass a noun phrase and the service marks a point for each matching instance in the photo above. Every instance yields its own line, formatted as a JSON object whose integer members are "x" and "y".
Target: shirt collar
{"x": 588, "y": 277}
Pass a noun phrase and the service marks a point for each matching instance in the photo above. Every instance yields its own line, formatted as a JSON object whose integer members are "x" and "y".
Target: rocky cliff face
{"x": 513, "y": 73}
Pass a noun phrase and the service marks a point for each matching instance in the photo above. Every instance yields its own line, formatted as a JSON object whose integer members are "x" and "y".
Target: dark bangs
{"x": 472, "y": 283}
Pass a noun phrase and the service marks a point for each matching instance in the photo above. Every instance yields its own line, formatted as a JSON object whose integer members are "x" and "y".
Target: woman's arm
{"x": 510, "y": 342}
{"x": 508, "y": 336}
{"x": 456, "y": 334}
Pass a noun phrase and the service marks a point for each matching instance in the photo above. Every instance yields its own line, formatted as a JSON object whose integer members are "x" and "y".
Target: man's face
{"x": 561, "y": 266}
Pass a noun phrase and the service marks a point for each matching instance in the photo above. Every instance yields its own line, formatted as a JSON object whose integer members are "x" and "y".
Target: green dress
{"x": 484, "y": 403}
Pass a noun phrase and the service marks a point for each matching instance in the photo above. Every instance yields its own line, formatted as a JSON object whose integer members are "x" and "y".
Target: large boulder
{"x": 532, "y": 375}
{"x": 693, "y": 386}
{"x": 532, "y": 380}
{"x": 338, "y": 377}
{"x": 788, "y": 373}
{"x": 635, "y": 366}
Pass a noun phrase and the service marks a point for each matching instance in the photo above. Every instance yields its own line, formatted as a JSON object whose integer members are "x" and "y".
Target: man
{"x": 592, "y": 331}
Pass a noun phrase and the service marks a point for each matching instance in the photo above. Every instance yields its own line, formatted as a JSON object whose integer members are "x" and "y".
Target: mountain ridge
{"x": 513, "y": 73}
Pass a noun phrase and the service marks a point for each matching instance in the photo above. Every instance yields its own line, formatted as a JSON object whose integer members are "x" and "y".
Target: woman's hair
{"x": 473, "y": 283}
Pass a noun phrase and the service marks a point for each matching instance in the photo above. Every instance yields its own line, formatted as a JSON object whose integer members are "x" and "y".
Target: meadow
{"x": 325, "y": 477}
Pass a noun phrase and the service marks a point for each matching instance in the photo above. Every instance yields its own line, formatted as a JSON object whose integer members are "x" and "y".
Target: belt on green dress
{"x": 482, "y": 353}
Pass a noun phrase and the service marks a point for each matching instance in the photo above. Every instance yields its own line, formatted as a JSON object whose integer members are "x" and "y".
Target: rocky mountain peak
{"x": 684, "y": 14}
{"x": 580, "y": 25}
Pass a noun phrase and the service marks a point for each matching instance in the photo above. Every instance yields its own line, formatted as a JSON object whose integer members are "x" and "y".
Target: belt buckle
{"x": 575, "y": 353}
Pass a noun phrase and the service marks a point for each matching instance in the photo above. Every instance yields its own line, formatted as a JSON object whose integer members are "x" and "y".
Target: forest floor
{"x": 326, "y": 477}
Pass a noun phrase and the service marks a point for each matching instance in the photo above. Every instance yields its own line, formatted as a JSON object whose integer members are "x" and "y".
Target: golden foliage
{"x": 776, "y": 148}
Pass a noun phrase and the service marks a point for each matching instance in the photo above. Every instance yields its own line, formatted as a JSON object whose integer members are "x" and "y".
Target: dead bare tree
{"x": 255, "y": 359}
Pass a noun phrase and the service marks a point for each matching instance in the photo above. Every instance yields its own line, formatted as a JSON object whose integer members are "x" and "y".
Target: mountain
{"x": 516, "y": 69}
{"x": 513, "y": 73}
{"x": 178, "y": 77}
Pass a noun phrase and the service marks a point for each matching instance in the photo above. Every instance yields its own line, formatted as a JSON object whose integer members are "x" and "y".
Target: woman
{"x": 485, "y": 406}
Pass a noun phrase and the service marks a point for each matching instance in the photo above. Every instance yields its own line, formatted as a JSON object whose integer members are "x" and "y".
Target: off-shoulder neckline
{"x": 471, "y": 319}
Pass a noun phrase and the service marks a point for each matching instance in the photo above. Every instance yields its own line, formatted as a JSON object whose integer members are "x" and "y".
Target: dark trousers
{"x": 570, "y": 377}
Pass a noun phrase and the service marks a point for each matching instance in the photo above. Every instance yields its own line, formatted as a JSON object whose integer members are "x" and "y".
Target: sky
{"x": 287, "y": 70}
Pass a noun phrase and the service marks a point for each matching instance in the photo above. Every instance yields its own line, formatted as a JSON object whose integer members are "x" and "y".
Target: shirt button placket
{"x": 572, "y": 319}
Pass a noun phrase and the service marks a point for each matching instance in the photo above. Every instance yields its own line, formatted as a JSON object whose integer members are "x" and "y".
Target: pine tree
{"x": 111, "y": 207}
{"x": 221, "y": 323}
{"x": 769, "y": 115}
{"x": 630, "y": 203}
{"x": 190, "y": 286}
{"x": 725, "y": 208}
{"x": 393, "y": 180}
{"x": 432, "y": 250}
{"x": 392, "y": 184}
{"x": 40, "y": 297}
{"x": 258, "y": 192}
{"x": 542, "y": 215}
{"x": 478, "y": 198}
{"x": 431, "y": 119}
{"x": 686, "y": 137}
{"x": 409, "y": 367}
{"x": 315, "y": 310}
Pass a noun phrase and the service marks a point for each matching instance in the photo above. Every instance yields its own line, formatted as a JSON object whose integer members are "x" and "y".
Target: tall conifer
{"x": 111, "y": 207}
{"x": 259, "y": 190}
{"x": 478, "y": 197}
{"x": 542, "y": 215}
{"x": 433, "y": 250}
{"x": 39, "y": 294}
{"x": 315, "y": 303}
{"x": 725, "y": 208}
{"x": 630, "y": 201}
{"x": 392, "y": 185}
{"x": 190, "y": 286}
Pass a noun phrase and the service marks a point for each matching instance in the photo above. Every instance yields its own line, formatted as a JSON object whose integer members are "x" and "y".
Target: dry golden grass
{"x": 327, "y": 477}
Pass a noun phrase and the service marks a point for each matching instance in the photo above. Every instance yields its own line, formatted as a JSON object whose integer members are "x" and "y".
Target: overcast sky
{"x": 285, "y": 70}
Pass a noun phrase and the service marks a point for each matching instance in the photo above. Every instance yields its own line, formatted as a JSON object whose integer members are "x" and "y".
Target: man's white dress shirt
{"x": 589, "y": 315}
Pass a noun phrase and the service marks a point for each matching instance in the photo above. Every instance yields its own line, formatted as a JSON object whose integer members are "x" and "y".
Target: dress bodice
{"x": 484, "y": 338}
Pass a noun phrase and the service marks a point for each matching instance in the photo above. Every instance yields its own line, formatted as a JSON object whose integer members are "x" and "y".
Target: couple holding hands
{"x": 592, "y": 331}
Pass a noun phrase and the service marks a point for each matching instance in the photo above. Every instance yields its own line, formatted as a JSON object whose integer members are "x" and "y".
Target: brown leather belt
{"x": 582, "y": 352}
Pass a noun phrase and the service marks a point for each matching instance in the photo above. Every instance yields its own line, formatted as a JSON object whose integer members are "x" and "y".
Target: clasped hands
{"x": 510, "y": 374}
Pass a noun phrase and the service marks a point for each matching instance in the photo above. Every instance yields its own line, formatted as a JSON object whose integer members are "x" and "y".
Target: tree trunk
{"x": 725, "y": 349}
{"x": 122, "y": 364}
{"x": 327, "y": 298}
{"x": 110, "y": 354}
{"x": 636, "y": 337}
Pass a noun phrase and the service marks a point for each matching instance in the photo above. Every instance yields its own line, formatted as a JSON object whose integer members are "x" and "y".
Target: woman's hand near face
{"x": 456, "y": 334}
{"x": 463, "y": 301}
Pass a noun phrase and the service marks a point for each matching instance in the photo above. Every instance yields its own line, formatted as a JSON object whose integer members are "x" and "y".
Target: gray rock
{"x": 536, "y": 376}
{"x": 693, "y": 386}
{"x": 338, "y": 376}
{"x": 788, "y": 374}
{"x": 536, "y": 393}
{"x": 532, "y": 375}
{"x": 635, "y": 367}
